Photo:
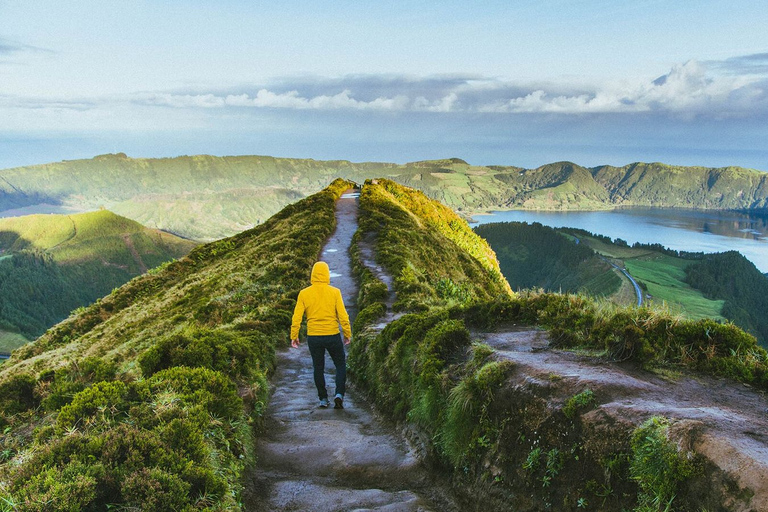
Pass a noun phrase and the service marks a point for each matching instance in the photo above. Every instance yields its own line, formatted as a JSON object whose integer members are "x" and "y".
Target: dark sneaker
{"x": 324, "y": 403}
{"x": 338, "y": 402}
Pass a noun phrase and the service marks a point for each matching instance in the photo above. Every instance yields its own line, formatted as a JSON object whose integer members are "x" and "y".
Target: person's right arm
{"x": 298, "y": 314}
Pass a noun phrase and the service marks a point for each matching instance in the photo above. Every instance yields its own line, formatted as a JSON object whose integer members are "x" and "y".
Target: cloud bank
{"x": 733, "y": 88}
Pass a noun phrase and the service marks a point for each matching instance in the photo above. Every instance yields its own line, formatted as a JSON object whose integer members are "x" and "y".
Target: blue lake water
{"x": 676, "y": 228}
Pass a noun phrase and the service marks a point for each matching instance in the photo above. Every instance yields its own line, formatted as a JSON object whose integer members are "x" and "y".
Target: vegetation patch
{"x": 657, "y": 466}
{"x": 53, "y": 264}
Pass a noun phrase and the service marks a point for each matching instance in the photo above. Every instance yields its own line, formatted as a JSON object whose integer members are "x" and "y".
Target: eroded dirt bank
{"x": 723, "y": 424}
{"x": 334, "y": 460}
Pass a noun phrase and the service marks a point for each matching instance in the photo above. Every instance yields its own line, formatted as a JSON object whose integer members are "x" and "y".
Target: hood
{"x": 321, "y": 274}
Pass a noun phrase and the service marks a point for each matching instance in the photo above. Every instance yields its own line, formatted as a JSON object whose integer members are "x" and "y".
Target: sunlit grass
{"x": 664, "y": 276}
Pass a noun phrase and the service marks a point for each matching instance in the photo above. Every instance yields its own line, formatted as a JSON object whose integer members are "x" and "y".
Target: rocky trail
{"x": 334, "y": 460}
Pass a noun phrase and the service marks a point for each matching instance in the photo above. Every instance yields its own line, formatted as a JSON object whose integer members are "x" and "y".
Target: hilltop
{"x": 206, "y": 197}
{"x": 52, "y": 264}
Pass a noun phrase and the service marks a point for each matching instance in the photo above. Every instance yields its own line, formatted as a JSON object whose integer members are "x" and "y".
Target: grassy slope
{"x": 205, "y": 197}
{"x": 411, "y": 230}
{"x": 10, "y": 341}
{"x": 663, "y": 276}
{"x": 79, "y": 258}
{"x": 180, "y": 432}
{"x": 502, "y": 445}
{"x": 536, "y": 256}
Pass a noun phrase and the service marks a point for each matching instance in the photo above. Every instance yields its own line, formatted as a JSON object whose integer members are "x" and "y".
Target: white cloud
{"x": 688, "y": 89}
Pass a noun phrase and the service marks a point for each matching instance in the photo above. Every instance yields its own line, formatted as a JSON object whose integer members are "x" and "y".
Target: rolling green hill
{"x": 205, "y": 197}
{"x": 52, "y": 264}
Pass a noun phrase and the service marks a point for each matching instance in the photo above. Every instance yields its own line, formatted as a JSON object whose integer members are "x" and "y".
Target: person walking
{"x": 325, "y": 310}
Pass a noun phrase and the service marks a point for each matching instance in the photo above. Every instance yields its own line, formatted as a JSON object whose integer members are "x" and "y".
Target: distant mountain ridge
{"x": 206, "y": 197}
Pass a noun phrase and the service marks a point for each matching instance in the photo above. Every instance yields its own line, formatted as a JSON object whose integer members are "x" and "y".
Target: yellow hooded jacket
{"x": 323, "y": 305}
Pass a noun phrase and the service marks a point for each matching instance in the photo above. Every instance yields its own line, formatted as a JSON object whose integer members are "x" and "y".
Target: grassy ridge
{"x": 147, "y": 397}
{"x": 411, "y": 228}
{"x": 53, "y": 264}
{"x": 205, "y": 197}
{"x": 504, "y": 445}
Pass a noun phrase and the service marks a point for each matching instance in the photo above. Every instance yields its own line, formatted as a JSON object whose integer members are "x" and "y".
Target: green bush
{"x": 369, "y": 315}
{"x": 228, "y": 352}
{"x": 17, "y": 394}
{"x": 579, "y": 402}
{"x": 657, "y": 466}
{"x": 70, "y": 488}
{"x": 155, "y": 490}
{"x": 106, "y": 398}
{"x": 66, "y": 382}
{"x": 200, "y": 387}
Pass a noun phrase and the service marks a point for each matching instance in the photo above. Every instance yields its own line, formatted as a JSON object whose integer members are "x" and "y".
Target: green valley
{"x": 719, "y": 286}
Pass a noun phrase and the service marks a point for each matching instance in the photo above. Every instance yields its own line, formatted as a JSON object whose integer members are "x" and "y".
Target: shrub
{"x": 656, "y": 465}
{"x": 369, "y": 315}
{"x": 17, "y": 394}
{"x": 225, "y": 351}
{"x": 107, "y": 397}
{"x": 66, "y": 382}
{"x": 578, "y": 402}
{"x": 70, "y": 488}
{"x": 201, "y": 387}
{"x": 155, "y": 490}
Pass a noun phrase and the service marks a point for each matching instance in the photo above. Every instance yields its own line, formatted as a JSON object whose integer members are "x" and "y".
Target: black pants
{"x": 317, "y": 347}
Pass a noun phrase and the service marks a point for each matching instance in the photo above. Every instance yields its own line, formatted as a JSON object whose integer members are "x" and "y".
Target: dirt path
{"x": 326, "y": 459}
{"x": 368, "y": 258}
{"x": 724, "y": 421}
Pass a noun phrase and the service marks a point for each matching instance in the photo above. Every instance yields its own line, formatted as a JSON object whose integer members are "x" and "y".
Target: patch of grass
{"x": 657, "y": 466}
{"x": 579, "y": 402}
{"x": 10, "y": 341}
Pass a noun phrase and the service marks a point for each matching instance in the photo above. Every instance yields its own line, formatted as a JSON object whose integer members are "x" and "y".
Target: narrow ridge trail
{"x": 326, "y": 459}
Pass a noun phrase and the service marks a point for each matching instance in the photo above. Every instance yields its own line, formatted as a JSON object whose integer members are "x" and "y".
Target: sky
{"x": 496, "y": 83}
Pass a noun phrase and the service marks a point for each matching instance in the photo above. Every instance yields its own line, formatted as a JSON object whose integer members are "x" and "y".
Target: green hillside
{"x": 52, "y": 264}
{"x": 146, "y": 399}
{"x": 733, "y": 279}
{"x": 536, "y": 256}
{"x": 720, "y": 286}
{"x": 205, "y": 197}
